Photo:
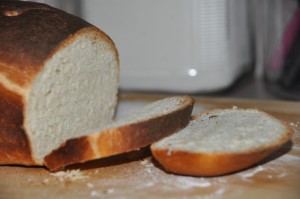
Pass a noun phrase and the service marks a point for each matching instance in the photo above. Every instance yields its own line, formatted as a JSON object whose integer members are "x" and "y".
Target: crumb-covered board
{"x": 138, "y": 175}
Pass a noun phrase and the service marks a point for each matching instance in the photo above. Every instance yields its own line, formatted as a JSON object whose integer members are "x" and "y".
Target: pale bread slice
{"x": 221, "y": 141}
{"x": 149, "y": 124}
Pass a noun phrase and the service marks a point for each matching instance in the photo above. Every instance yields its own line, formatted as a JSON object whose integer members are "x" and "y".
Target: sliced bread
{"x": 59, "y": 77}
{"x": 143, "y": 127}
{"x": 221, "y": 141}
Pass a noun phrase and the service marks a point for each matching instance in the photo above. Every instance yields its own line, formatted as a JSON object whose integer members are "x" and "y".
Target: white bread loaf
{"x": 143, "y": 127}
{"x": 221, "y": 141}
{"x": 59, "y": 77}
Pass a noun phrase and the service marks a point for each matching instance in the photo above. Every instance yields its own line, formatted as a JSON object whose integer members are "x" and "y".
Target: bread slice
{"x": 145, "y": 126}
{"x": 59, "y": 77}
{"x": 221, "y": 141}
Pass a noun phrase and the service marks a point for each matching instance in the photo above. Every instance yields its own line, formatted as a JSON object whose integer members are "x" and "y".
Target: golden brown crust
{"x": 123, "y": 139}
{"x": 215, "y": 164}
{"x": 14, "y": 143}
{"x": 74, "y": 150}
{"x": 28, "y": 38}
{"x": 135, "y": 136}
{"x": 208, "y": 164}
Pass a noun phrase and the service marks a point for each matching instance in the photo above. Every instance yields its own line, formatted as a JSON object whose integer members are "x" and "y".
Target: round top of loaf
{"x": 29, "y": 34}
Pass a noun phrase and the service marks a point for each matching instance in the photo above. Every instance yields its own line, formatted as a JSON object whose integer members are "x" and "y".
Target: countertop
{"x": 138, "y": 175}
{"x": 251, "y": 87}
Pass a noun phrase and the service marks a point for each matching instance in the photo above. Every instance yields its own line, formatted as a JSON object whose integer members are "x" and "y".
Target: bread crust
{"x": 29, "y": 38}
{"x": 123, "y": 139}
{"x": 215, "y": 164}
{"x": 30, "y": 34}
{"x": 14, "y": 143}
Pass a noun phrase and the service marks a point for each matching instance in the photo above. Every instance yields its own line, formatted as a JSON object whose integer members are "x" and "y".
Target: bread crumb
{"x": 45, "y": 181}
{"x": 270, "y": 176}
{"x": 204, "y": 183}
{"x": 94, "y": 194}
{"x": 148, "y": 165}
{"x": 149, "y": 184}
{"x": 149, "y": 169}
{"x": 109, "y": 191}
{"x": 220, "y": 191}
{"x": 90, "y": 185}
{"x": 71, "y": 175}
{"x": 294, "y": 124}
{"x": 101, "y": 193}
{"x": 144, "y": 162}
{"x": 252, "y": 172}
{"x": 29, "y": 180}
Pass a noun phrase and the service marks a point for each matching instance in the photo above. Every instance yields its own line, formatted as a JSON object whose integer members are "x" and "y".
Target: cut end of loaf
{"x": 76, "y": 91}
{"x": 222, "y": 141}
{"x": 59, "y": 76}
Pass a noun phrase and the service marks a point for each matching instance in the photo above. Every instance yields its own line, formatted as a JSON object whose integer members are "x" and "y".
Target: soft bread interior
{"x": 155, "y": 109}
{"x": 139, "y": 129}
{"x": 76, "y": 91}
{"x": 229, "y": 130}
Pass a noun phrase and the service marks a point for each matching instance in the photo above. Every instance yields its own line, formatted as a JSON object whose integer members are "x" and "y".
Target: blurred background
{"x": 228, "y": 48}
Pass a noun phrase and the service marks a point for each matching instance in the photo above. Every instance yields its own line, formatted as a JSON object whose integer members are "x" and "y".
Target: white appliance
{"x": 176, "y": 45}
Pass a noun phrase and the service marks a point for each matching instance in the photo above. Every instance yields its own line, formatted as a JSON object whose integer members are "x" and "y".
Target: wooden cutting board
{"x": 137, "y": 175}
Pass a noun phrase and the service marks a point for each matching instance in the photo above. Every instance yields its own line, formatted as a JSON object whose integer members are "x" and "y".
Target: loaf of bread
{"x": 221, "y": 141}
{"x": 143, "y": 127}
{"x": 59, "y": 77}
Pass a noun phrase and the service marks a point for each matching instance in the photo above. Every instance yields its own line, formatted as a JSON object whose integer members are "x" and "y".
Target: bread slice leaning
{"x": 151, "y": 123}
{"x": 221, "y": 141}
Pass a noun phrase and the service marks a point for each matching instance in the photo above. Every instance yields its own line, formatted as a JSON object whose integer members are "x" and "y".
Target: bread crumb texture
{"x": 74, "y": 93}
{"x": 228, "y": 130}
{"x": 70, "y": 175}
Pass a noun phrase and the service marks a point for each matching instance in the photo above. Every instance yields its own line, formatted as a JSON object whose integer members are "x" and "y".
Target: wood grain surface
{"x": 137, "y": 175}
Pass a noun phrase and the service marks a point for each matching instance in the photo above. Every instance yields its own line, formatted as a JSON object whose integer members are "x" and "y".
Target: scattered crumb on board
{"x": 234, "y": 107}
{"x": 294, "y": 124}
{"x": 70, "y": 175}
{"x": 46, "y": 181}
{"x": 145, "y": 175}
{"x": 90, "y": 185}
{"x": 97, "y": 193}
